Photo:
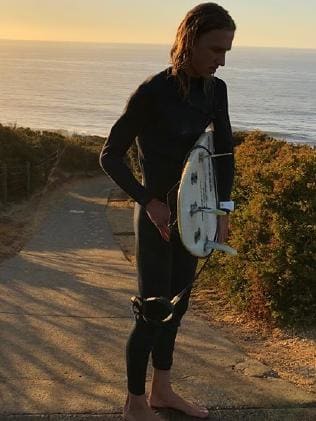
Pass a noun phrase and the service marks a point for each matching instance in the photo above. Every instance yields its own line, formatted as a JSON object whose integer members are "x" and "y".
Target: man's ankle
{"x": 136, "y": 401}
{"x": 160, "y": 392}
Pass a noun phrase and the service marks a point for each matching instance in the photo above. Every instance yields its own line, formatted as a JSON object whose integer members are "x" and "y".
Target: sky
{"x": 262, "y": 23}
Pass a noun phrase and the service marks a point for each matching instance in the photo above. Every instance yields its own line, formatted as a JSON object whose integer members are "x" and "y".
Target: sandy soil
{"x": 292, "y": 354}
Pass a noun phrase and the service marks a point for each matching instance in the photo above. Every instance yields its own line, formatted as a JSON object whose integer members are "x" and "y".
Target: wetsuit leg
{"x": 154, "y": 259}
{"x": 183, "y": 271}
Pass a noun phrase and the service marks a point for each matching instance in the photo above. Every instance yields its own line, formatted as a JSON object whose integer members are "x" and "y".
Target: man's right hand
{"x": 159, "y": 213}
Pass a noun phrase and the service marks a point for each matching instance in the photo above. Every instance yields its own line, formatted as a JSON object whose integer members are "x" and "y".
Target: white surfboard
{"x": 197, "y": 203}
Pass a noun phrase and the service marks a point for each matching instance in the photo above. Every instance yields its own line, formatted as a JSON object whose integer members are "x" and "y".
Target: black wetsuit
{"x": 166, "y": 127}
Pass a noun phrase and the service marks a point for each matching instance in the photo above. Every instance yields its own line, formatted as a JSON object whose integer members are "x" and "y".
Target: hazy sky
{"x": 283, "y": 23}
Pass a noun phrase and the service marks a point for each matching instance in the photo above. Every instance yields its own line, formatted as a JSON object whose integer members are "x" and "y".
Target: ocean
{"x": 83, "y": 87}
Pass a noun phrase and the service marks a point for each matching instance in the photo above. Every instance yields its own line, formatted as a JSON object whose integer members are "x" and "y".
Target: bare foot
{"x": 174, "y": 401}
{"x": 139, "y": 413}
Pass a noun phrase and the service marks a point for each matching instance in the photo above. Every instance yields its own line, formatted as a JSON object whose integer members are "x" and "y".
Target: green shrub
{"x": 273, "y": 277}
{"x": 132, "y": 161}
{"x": 22, "y": 144}
{"x": 19, "y": 146}
{"x": 81, "y": 153}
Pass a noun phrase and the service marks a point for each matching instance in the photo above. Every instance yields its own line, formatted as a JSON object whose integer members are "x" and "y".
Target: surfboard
{"x": 197, "y": 200}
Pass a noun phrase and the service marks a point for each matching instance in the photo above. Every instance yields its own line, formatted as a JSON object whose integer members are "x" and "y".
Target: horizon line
{"x": 145, "y": 43}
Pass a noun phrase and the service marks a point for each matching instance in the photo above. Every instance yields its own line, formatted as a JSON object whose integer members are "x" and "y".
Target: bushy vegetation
{"x": 132, "y": 161}
{"x": 19, "y": 146}
{"x": 273, "y": 277}
{"x": 23, "y": 144}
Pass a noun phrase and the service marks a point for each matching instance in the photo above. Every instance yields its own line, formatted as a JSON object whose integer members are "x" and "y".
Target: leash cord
{"x": 178, "y": 297}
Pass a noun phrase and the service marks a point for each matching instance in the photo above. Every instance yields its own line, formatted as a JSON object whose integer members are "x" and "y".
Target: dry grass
{"x": 17, "y": 223}
{"x": 291, "y": 353}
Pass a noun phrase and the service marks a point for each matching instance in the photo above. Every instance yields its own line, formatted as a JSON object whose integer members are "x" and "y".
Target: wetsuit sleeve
{"x": 223, "y": 142}
{"x": 121, "y": 137}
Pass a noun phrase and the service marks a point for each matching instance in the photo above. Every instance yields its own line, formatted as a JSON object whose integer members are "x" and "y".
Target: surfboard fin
{"x": 209, "y": 245}
{"x": 195, "y": 209}
{"x": 214, "y": 210}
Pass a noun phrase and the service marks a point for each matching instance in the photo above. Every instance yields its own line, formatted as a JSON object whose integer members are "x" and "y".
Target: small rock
{"x": 254, "y": 368}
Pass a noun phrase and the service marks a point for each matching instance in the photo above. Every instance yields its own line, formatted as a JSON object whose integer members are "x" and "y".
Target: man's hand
{"x": 159, "y": 213}
{"x": 223, "y": 228}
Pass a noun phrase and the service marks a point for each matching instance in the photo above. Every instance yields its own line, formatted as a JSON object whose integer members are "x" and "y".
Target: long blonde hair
{"x": 199, "y": 20}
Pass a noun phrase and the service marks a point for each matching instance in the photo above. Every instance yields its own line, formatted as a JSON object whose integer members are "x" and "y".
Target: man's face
{"x": 209, "y": 52}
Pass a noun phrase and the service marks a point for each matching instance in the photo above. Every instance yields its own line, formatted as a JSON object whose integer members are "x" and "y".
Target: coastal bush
{"x": 22, "y": 144}
{"x": 132, "y": 161}
{"x": 273, "y": 277}
{"x": 42, "y": 150}
{"x": 79, "y": 153}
